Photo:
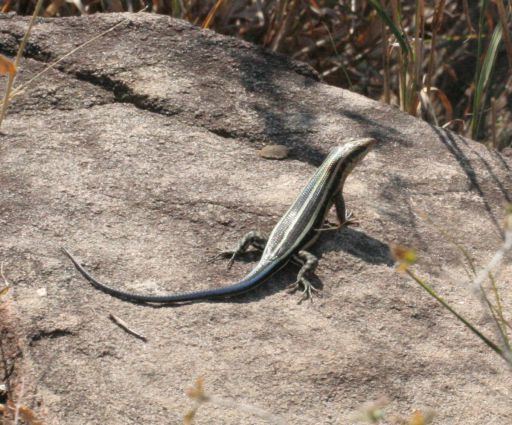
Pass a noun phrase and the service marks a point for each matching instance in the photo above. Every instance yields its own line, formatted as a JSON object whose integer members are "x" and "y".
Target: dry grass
{"x": 373, "y": 412}
{"x": 442, "y": 60}
{"x": 484, "y": 284}
{"x": 12, "y": 409}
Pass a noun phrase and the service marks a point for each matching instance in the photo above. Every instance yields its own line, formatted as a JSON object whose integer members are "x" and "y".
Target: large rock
{"x": 139, "y": 154}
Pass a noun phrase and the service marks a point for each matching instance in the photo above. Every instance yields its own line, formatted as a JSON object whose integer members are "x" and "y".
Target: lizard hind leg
{"x": 309, "y": 263}
{"x": 254, "y": 239}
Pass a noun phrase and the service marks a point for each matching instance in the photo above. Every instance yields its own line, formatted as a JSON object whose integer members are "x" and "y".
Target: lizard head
{"x": 345, "y": 157}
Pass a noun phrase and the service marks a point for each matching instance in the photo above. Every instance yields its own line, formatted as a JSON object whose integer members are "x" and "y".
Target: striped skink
{"x": 299, "y": 228}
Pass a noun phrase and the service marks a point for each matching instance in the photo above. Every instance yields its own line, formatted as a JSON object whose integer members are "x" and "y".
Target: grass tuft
{"x": 426, "y": 57}
{"x": 406, "y": 257}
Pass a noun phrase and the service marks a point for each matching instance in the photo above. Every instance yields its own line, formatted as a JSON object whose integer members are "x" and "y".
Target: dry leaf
{"x": 403, "y": 255}
{"x": 7, "y": 66}
{"x": 189, "y": 417}
{"x": 197, "y": 392}
{"x": 29, "y": 416}
{"x": 421, "y": 418}
{"x": 53, "y": 8}
{"x": 6, "y": 7}
{"x": 4, "y": 291}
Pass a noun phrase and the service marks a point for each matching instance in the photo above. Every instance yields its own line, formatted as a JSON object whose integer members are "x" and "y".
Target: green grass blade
{"x": 176, "y": 8}
{"x": 483, "y": 79}
{"x": 400, "y": 37}
{"x": 473, "y": 329}
{"x": 479, "y": 49}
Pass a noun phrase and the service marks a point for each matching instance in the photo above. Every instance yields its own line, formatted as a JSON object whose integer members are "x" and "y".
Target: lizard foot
{"x": 222, "y": 255}
{"x": 254, "y": 239}
{"x": 306, "y": 287}
{"x": 350, "y": 220}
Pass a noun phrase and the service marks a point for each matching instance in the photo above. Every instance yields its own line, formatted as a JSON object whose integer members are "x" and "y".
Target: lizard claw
{"x": 307, "y": 289}
{"x": 350, "y": 220}
{"x": 214, "y": 258}
{"x": 224, "y": 254}
{"x": 231, "y": 260}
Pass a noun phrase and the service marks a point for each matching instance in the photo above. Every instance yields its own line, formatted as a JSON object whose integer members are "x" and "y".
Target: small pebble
{"x": 274, "y": 152}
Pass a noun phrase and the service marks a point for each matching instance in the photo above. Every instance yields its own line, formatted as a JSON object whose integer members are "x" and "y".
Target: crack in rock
{"x": 49, "y": 334}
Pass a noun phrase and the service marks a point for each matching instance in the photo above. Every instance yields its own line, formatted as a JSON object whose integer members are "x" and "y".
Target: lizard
{"x": 297, "y": 230}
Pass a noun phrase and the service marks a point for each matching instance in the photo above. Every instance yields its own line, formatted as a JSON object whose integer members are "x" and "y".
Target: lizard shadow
{"x": 349, "y": 240}
{"x": 360, "y": 245}
{"x": 278, "y": 282}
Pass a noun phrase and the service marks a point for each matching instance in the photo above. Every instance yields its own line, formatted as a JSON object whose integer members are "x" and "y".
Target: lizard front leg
{"x": 344, "y": 216}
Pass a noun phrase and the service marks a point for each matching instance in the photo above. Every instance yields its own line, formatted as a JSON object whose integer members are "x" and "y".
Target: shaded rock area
{"x": 139, "y": 153}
